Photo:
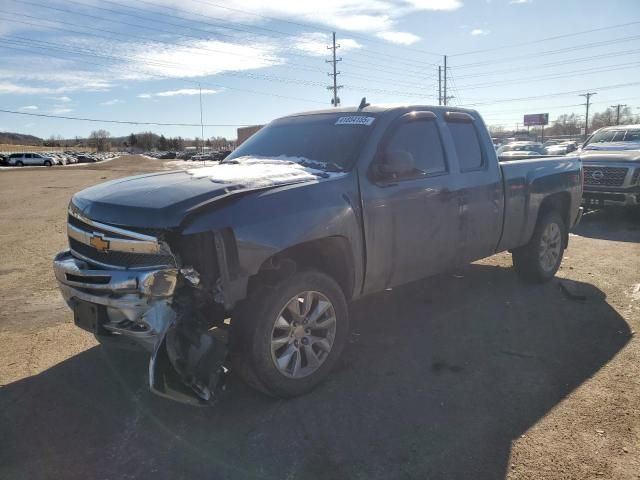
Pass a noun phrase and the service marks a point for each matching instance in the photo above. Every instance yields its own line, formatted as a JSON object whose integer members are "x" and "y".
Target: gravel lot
{"x": 469, "y": 375}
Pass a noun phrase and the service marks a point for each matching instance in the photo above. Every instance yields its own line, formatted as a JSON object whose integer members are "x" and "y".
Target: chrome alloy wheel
{"x": 303, "y": 334}
{"x": 550, "y": 247}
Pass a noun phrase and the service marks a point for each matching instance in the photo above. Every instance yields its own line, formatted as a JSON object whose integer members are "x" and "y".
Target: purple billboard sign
{"x": 536, "y": 119}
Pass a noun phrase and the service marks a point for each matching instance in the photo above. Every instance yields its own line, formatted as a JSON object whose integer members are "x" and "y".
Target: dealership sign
{"x": 536, "y": 119}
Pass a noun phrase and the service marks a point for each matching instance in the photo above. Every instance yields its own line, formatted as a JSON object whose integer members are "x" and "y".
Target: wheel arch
{"x": 559, "y": 202}
{"x": 331, "y": 255}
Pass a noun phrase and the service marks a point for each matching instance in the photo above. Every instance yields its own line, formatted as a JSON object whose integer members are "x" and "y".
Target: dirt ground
{"x": 469, "y": 375}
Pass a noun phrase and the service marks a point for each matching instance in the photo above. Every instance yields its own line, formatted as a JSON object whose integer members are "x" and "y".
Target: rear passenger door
{"x": 28, "y": 159}
{"x": 479, "y": 186}
{"x": 411, "y": 219}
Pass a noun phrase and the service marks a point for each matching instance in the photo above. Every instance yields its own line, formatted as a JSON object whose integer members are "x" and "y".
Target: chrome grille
{"x": 605, "y": 176}
{"x": 124, "y": 248}
{"x": 119, "y": 259}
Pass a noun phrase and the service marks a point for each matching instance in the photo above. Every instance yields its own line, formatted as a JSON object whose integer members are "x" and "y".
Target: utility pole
{"x": 439, "y": 85}
{"x": 335, "y": 101}
{"x": 201, "y": 123}
{"x": 588, "y": 96}
{"x": 617, "y": 107}
{"x": 445, "y": 98}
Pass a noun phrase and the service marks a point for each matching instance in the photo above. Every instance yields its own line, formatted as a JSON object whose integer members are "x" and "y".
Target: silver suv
{"x": 611, "y": 166}
{"x": 22, "y": 159}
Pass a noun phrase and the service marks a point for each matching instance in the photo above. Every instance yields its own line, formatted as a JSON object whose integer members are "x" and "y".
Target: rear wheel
{"x": 286, "y": 338}
{"x": 19, "y": 163}
{"x": 539, "y": 260}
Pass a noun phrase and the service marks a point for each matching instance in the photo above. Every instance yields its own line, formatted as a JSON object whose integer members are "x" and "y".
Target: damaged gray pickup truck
{"x": 248, "y": 266}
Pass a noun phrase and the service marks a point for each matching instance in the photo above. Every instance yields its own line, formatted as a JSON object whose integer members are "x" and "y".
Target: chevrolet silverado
{"x": 249, "y": 265}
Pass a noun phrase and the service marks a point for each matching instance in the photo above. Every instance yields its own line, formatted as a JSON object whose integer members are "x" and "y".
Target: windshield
{"x": 330, "y": 139}
{"x": 608, "y": 136}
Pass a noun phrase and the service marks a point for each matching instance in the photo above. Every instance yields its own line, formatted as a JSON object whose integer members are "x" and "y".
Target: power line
{"x": 306, "y": 25}
{"x": 550, "y": 52}
{"x": 540, "y": 40}
{"x": 271, "y": 32}
{"x": 189, "y": 27}
{"x": 131, "y": 122}
{"x": 255, "y": 92}
{"x": 178, "y": 67}
{"x": 550, "y": 95}
{"x": 619, "y": 66}
{"x": 550, "y": 64}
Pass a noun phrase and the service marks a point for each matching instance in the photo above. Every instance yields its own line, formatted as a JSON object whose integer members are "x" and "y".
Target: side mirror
{"x": 397, "y": 163}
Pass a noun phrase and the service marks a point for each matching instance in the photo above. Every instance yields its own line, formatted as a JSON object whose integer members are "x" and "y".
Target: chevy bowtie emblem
{"x": 99, "y": 243}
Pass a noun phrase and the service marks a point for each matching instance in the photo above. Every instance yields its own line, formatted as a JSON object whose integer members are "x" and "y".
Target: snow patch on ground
{"x": 261, "y": 172}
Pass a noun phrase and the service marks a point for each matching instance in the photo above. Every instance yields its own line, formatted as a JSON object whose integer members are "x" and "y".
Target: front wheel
{"x": 539, "y": 260}
{"x": 47, "y": 163}
{"x": 286, "y": 338}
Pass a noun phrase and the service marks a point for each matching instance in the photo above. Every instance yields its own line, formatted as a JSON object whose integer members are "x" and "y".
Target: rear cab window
{"x": 466, "y": 141}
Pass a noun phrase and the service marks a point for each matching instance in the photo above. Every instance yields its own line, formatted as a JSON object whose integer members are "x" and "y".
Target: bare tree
{"x": 100, "y": 140}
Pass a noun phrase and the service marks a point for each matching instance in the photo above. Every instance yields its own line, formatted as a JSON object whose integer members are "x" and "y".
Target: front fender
{"x": 261, "y": 224}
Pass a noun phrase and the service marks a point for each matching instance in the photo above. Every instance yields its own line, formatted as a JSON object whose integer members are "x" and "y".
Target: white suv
{"x": 22, "y": 159}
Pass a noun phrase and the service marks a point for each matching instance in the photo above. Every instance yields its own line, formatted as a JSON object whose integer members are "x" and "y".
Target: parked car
{"x": 562, "y": 148}
{"x": 520, "y": 150}
{"x": 220, "y": 154}
{"x": 202, "y": 157}
{"x": 3, "y": 159}
{"x": 86, "y": 158}
{"x": 611, "y": 158}
{"x": 315, "y": 210}
{"x": 22, "y": 159}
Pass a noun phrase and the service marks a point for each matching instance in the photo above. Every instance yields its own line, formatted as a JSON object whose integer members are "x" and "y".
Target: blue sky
{"x": 146, "y": 60}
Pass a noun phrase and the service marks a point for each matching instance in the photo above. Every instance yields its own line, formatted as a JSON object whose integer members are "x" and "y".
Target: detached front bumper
{"x": 139, "y": 306}
{"x": 133, "y": 304}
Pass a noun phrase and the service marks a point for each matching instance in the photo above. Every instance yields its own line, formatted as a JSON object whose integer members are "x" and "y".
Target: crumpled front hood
{"x": 162, "y": 200}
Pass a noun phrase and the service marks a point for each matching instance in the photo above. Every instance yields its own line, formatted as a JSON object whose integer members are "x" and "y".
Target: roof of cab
{"x": 380, "y": 109}
{"x": 621, "y": 127}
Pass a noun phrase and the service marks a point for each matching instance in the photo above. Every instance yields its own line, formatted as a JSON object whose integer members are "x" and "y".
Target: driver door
{"x": 411, "y": 218}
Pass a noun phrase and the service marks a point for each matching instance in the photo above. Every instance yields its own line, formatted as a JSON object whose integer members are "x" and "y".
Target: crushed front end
{"x": 153, "y": 290}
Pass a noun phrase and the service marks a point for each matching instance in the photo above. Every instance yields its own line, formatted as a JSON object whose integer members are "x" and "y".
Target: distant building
{"x": 246, "y": 132}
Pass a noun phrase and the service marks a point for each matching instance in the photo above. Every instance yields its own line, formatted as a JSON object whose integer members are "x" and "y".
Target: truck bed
{"x": 526, "y": 184}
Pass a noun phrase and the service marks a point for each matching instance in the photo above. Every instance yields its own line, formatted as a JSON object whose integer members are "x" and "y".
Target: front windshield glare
{"x": 326, "y": 139}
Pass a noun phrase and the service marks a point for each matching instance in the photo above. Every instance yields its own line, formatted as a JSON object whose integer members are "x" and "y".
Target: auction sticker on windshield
{"x": 355, "y": 120}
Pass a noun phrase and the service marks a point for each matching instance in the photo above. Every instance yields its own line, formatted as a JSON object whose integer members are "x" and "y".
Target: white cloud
{"x": 436, "y": 4}
{"x": 181, "y": 61}
{"x": 519, "y": 2}
{"x": 479, "y": 31}
{"x": 180, "y": 92}
{"x": 401, "y": 38}
{"x": 61, "y": 99}
{"x": 115, "y": 101}
{"x": 60, "y": 110}
{"x": 15, "y": 89}
{"x": 29, "y": 107}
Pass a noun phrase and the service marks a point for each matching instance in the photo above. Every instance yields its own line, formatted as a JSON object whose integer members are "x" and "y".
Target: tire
{"x": 267, "y": 333}
{"x": 47, "y": 163}
{"x": 19, "y": 163}
{"x": 539, "y": 260}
